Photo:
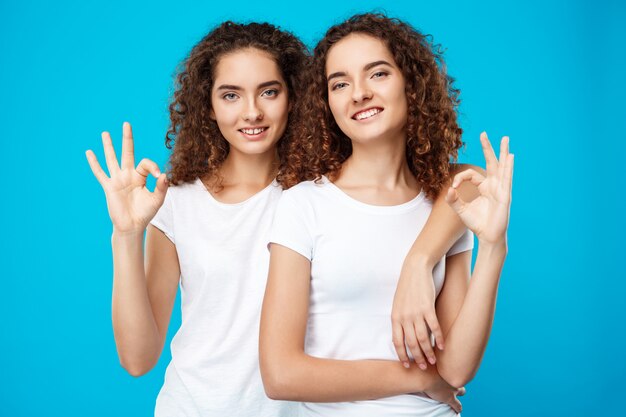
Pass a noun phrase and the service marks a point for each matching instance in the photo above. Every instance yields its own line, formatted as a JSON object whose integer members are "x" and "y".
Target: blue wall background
{"x": 550, "y": 74}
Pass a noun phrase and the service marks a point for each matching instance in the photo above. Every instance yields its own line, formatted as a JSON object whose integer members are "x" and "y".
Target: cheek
{"x": 401, "y": 93}
{"x": 225, "y": 114}
{"x": 282, "y": 110}
{"x": 277, "y": 113}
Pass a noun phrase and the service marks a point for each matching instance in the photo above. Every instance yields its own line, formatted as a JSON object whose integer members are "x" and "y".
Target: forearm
{"x": 134, "y": 326}
{"x": 300, "y": 377}
{"x": 467, "y": 338}
{"x": 442, "y": 229}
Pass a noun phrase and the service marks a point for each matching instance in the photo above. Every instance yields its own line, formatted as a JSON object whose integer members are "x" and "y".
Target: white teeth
{"x": 366, "y": 114}
{"x": 253, "y": 131}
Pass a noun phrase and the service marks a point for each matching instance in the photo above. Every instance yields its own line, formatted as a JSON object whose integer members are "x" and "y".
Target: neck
{"x": 382, "y": 165}
{"x": 250, "y": 170}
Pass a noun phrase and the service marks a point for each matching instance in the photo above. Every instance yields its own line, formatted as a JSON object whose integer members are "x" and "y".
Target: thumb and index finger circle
{"x": 147, "y": 167}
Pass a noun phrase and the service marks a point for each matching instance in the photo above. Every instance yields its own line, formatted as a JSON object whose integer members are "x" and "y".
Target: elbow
{"x": 457, "y": 381}
{"x": 136, "y": 368}
{"x": 455, "y": 377}
{"x": 277, "y": 380}
{"x": 276, "y": 388}
{"x": 136, "y": 371}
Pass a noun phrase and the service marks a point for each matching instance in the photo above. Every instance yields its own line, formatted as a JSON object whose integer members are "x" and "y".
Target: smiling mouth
{"x": 366, "y": 114}
{"x": 253, "y": 131}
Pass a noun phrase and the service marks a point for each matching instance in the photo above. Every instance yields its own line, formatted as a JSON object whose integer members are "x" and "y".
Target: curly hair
{"x": 199, "y": 148}
{"x": 433, "y": 136}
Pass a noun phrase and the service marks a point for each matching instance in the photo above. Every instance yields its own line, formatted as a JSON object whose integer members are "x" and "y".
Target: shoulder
{"x": 305, "y": 198}
{"x": 306, "y": 190}
{"x": 185, "y": 190}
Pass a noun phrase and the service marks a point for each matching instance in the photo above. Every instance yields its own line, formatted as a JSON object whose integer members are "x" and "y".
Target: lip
{"x": 252, "y": 136}
{"x": 380, "y": 110}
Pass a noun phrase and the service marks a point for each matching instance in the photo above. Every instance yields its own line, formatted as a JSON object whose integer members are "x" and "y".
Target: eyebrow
{"x": 365, "y": 68}
{"x": 375, "y": 64}
{"x": 238, "y": 88}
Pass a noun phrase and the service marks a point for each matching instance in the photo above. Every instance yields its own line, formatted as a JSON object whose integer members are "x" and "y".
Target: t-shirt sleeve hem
{"x": 464, "y": 244}
{"x": 293, "y": 246}
{"x": 159, "y": 225}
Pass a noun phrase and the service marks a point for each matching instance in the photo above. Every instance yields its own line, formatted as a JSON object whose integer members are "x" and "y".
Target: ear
{"x": 212, "y": 114}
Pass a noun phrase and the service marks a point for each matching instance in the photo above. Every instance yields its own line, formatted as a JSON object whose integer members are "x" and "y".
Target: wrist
{"x": 497, "y": 247}
{"x": 429, "y": 379}
{"x": 122, "y": 235}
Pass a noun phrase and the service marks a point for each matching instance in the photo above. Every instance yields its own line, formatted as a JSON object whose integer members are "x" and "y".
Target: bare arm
{"x": 143, "y": 295}
{"x": 467, "y": 311}
{"x": 443, "y": 227}
{"x": 290, "y": 374}
{"x": 413, "y": 314}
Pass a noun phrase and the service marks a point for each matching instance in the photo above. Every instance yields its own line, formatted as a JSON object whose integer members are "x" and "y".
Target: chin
{"x": 255, "y": 148}
{"x": 367, "y": 137}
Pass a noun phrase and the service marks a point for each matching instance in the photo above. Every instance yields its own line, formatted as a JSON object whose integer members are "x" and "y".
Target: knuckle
{"x": 407, "y": 318}
{"x": 435, "y": 327}
{"x": 422, "y": 339}
{"x": 431, "y": 313}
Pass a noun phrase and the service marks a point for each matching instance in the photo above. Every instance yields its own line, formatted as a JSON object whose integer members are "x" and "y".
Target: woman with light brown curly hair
{"x": 230, "y": 123}
{"x": 374, "y": 152}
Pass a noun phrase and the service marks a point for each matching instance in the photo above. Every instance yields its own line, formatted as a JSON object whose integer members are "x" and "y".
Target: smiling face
{"x": 366, "y": 90}
{"x": 249, "y": 101}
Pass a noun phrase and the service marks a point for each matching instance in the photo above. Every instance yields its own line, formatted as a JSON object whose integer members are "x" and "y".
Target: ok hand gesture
{"x": 131, "y": 205}
{"x": 488, "y": 215}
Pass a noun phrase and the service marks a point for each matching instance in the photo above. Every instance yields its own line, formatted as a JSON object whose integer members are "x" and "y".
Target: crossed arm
{"x": 290, "y": 374}
{"x": 465, "y": 309}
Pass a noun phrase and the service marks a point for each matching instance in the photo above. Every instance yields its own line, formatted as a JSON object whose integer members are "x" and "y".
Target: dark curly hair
{"x": 433, "y": 136}
{"x": 199, "y": 149}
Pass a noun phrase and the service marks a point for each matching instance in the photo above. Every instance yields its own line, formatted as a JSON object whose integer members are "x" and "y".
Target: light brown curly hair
{"x": 199, "y": 149}
{"x": 433, "y": 136}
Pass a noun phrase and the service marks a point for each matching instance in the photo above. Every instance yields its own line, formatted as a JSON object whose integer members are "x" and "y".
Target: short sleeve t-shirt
{"x": 356, "y": 251}
{"x": 224, "y": 262}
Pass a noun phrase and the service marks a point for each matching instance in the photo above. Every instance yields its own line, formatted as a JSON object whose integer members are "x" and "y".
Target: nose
{"x": 361, "y": 92}
{"x": 252, "y": 112}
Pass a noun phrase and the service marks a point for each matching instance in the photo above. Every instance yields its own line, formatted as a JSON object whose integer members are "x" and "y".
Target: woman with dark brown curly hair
{"x": 378, "y": 145}
{"x": 230, "y": 123}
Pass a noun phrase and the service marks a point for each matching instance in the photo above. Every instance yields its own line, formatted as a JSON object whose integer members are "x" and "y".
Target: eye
{"x": 269, "y": 93}
{"x": 380, "y": 74}
{"x": 339, "y": 86}
{"x": 230, "y": 96}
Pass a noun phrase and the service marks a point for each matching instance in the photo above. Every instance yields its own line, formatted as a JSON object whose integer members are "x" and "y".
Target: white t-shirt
{"x": 356, "y": 252}
{"x": 224, "y": 263}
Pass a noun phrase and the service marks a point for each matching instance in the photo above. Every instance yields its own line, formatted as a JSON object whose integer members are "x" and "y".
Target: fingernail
{"x": 406, "y": 365}
{"x": 440, "y": 347}
{"x": 431, "y": 360}
{"x": 423, "y": 366}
